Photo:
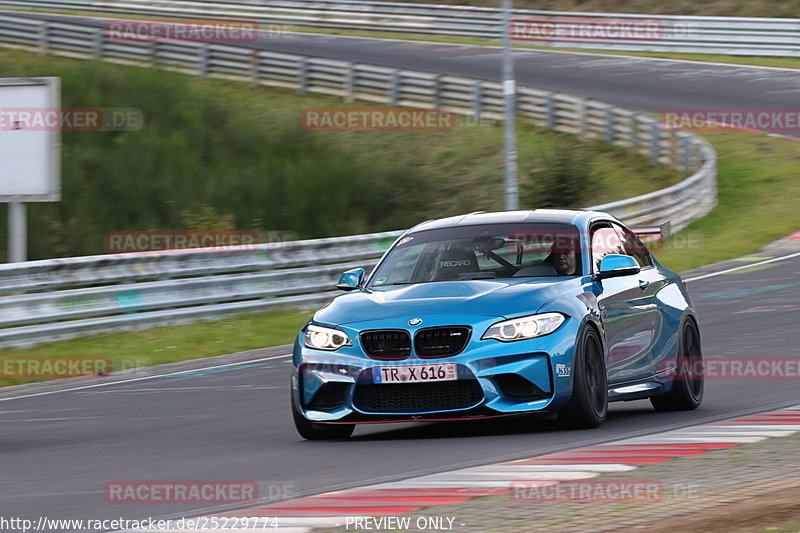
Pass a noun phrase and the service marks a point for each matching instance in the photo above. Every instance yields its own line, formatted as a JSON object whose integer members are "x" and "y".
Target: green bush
{"x": 564, "y": 179}
{"x": 197, "y": 149}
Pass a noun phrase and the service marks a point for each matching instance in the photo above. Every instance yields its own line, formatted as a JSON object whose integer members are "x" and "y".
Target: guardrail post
{"x": 394, "y": 88}
{"x": 655, "y": 147}
{"x": 154, "y": 54}
{"x": 302, "y": 76}
{"x": 477, "y": 100}
{"x": 696, "y": 153}
{"x": 255, "y": 63}
{"x": 582, "y": 119}
{"x": 686, "y": 153}
{"x": 44, "y": 32}
{"x": 610, "y": 133}
{"x": 349, "y": 82}
{"x": 551, "y": 111}
{"x": 202, "y": 60}
{"x": 98, "y": 43}
{"x": 437, "y": 92}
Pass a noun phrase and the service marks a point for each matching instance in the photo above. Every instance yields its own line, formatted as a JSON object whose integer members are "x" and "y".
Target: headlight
{"x": 527, "y": 327}
{"x": 321, "y": 338}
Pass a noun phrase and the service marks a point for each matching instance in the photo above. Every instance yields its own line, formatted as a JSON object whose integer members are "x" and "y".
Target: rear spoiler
{"x": 650, "y": 234}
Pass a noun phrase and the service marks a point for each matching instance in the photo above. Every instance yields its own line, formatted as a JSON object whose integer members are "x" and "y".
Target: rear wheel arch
{"x": 684, "y": 394}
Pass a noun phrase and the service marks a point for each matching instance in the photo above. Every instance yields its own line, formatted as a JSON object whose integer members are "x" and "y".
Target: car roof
{"x": 563, "y": 216}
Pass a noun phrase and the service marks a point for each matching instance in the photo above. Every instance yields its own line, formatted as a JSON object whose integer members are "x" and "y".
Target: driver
{"x": 563, "y": 257}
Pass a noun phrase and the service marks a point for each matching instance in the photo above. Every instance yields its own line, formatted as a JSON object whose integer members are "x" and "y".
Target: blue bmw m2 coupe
{"x": 496, "y": 314}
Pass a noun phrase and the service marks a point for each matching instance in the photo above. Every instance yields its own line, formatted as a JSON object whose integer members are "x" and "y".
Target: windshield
{"x": 482, "y": 252}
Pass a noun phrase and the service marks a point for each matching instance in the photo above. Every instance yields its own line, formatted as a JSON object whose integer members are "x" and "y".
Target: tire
{"x": 588, "y": 406}
{"x": 314, "y": 431}
{"x": 687, "y": 387}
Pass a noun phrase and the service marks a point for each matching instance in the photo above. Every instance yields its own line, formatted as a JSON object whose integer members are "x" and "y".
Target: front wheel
{"x": 687, "y": 386}
{"x": 315, "y": 431}
{"x": 589, "y": 403}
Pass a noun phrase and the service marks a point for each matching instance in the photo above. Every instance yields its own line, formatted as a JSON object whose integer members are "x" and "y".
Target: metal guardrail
{"x": 712, "y": 35}
{"x": 62, "y": 298}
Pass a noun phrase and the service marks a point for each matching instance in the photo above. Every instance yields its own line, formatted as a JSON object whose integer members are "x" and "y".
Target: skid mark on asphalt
{"x": 134, "y": 379}
{"x": 741, "y": 293}
{"x": 207, "y": 371}
{"x": 54, "y": 419}
{"x": 150, "y": 390}
{"x": 750, "y": 269}
{"x": 769, "y": 309}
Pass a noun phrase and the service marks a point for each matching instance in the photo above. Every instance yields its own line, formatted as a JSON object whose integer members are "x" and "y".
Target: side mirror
{"x": 351, "y": 280}
{"x": 616, "y": 265}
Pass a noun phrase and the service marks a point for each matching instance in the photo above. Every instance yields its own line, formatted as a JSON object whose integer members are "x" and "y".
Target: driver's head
{"x": 563, "y": 256}
{"x": 565, "y": 262}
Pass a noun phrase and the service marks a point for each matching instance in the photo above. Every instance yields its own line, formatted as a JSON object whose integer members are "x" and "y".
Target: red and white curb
{"x": 333, "y": 509}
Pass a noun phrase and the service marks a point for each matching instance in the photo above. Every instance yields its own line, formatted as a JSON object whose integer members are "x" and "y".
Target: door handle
{"x": 643, "y": 284}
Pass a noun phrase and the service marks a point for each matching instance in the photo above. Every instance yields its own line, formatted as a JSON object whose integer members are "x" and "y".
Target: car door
{"x": 625, "y": 310}
{"x": 650, "y": 281}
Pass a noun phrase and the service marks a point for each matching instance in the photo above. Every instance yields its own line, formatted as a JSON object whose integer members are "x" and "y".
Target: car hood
{"x": 500, "y": 298}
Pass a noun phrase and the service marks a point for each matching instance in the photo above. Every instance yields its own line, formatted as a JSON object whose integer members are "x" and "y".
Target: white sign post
{"x": 30, "y": 152}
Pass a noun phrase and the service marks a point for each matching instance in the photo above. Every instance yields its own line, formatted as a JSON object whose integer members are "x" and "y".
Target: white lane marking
{"x": 550, "y": 475}
{"x": 143, "y": 378}
{"x": 794, "y": 428}
{"x": 724, "y": 432}
{"x": 463, "y": 484}
{"x": 749, "y": 265}
{"x": 561, "y": 468}
{"x": 657, "y": 439}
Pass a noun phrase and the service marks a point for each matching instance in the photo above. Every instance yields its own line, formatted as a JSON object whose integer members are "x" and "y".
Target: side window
{"x": 604, "y": 241}
{"x": 634, "y": 247}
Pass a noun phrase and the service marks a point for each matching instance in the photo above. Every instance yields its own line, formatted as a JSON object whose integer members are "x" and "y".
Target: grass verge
{"x": 171, "y": 343}
{"x": 758, "y": 192}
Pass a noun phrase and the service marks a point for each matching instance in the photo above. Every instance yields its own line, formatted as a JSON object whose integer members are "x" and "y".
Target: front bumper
{"x": 494, "y": 378}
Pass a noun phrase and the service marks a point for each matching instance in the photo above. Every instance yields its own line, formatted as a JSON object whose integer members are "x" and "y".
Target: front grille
{"x": 388, "y": 344}
{"x": 417, "y": 397}
{"x": 441, "y": 342}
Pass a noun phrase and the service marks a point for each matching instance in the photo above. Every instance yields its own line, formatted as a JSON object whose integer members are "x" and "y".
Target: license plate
{"x": 415, "y": 373}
